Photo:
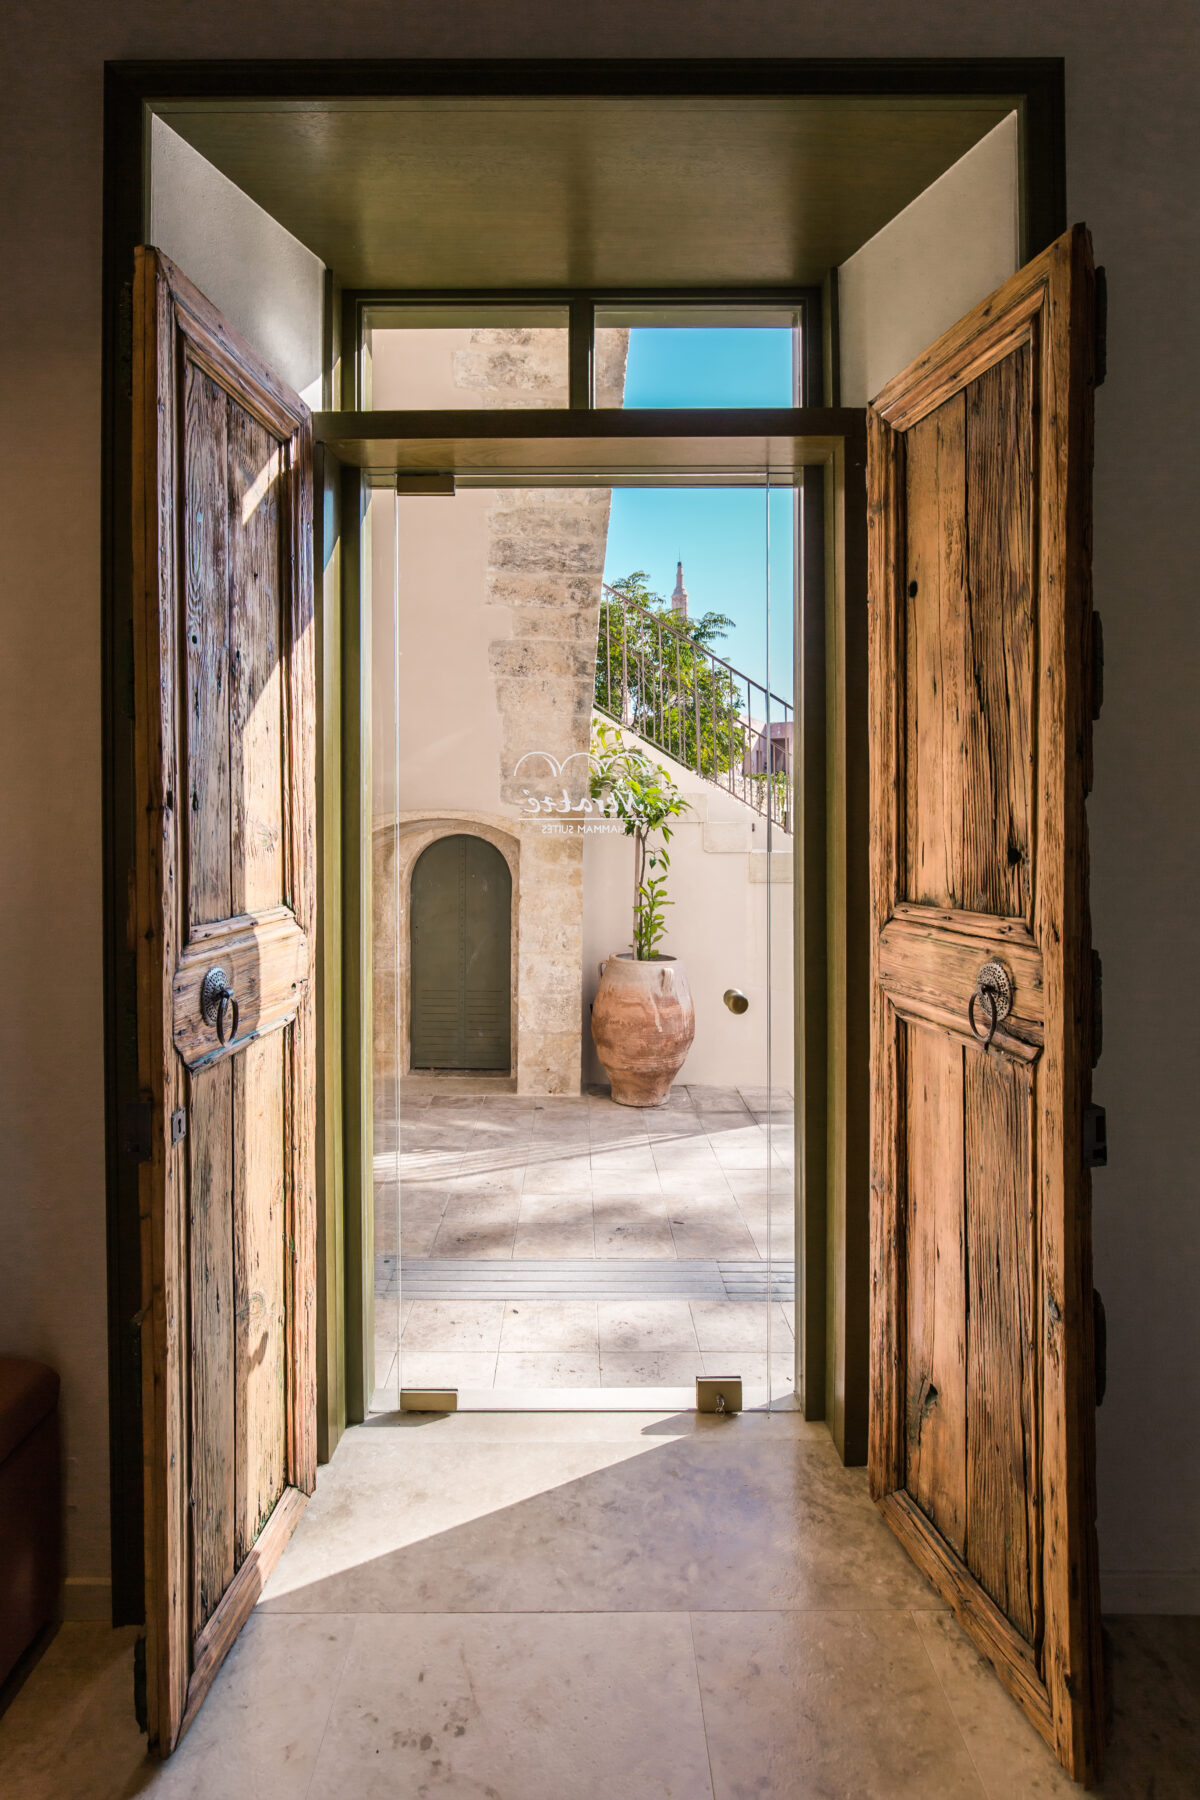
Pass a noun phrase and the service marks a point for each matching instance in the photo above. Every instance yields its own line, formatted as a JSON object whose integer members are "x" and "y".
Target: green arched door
{"x": 461, "y": 956}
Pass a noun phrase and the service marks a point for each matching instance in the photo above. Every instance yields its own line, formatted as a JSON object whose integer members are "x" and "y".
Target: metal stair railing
{"x": 656, "y": 681}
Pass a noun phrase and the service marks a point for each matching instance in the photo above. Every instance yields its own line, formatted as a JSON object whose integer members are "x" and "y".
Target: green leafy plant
{"x": 642, "y": 795}
{"x": 654, "y": 674}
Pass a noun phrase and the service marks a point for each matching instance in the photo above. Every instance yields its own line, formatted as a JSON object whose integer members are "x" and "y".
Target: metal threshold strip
{"x": 583, "y": 1278}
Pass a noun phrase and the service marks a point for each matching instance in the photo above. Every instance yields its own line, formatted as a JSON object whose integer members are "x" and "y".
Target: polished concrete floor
{"x": 550, "y": 1243}
{"x": 595, "y": 1607}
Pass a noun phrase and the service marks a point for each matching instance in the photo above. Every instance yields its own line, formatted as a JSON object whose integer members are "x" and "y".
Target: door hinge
{"x": 1101, "y": 351}
{"x": 139, "y": 1130}
{"x": 1095, "y": 1138}
{"x": 1100, "y": 1338}
{"x": 429, "y": 485}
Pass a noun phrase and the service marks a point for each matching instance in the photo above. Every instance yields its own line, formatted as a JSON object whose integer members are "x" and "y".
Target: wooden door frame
{"x": 831, "y": 679}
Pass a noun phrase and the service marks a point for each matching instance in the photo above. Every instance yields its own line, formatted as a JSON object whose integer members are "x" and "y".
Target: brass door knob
{"x": 736, "y": 1001}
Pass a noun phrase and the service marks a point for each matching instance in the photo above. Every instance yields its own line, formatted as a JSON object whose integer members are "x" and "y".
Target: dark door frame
{"x": 1036, "y": 86}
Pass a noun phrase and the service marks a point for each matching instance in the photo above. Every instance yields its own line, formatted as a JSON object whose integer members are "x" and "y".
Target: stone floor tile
{"x": 475, "y": 1228}
{"x": 533, "y": 1708}
{"x": 698, "y": 1234}
{"x": 453, "y": 1325}
{"x": 649, "y": 1368}
{"x": 710, "y": 1099}
{"x": 736, "y": 1324}
{"x": 609, "y": 1181}
{"x": 542, "y": 1369}
{"x": 646, "y": 1325}
{"x": 570, "y": 1174}
{"x": 756, "y": 1513}
{"x": 555, "y": 1225}
{"x": 617, "y": 1236}
{"x": 819, "y": 1704}
{"x": 1154, "y": 1744}
{"x": 447, "y": 1368}
{"x": 71, "y": 1731}
{"x": 549, "y": 1325}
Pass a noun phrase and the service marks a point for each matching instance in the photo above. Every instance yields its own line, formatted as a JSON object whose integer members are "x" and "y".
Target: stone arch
{"x": 397, "y": 847}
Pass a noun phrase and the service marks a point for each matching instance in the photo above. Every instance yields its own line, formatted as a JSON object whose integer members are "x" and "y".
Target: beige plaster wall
{"x": 267, "y": 284}
{"x": 929, "y": 265}
{"x": 723, "y": 918}
{"x": 1133, "y": 158}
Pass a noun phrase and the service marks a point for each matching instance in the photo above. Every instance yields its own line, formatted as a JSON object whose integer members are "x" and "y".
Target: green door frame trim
{"x": 1036, "y": 87}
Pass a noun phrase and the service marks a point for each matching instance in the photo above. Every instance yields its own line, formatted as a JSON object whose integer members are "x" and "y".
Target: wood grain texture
{"x": 936, "y": 1285}
{"x": 999, "y": 650}
{"x": 157, "y": 933}
{"x": 886, "y": 1456}
{"x": 1002, "y": 1546}
{"x": 268, "y": 961}
{"x": 300, "y": 731}
{"x": 222, "y": 524}
{"x": 256, "y": 674}
{"x": 921, "y": 959}
{"x": 206, "y": 636}
{"x": 980, "y": 469}
{"x": 212, "y": 1453}
{"x": 260, "y": 1308}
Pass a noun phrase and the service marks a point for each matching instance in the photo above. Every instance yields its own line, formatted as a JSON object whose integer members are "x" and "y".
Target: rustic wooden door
{"x": 224, "y": 921}
{"x": 983, "y": 1381}
{"x": 461, "y": 956}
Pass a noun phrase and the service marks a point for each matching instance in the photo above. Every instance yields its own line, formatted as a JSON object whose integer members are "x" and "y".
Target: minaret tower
{"x": 679, "y": 599}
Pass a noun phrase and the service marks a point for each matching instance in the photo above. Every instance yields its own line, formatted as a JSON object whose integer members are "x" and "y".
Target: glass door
{"x": 583, "y": 806}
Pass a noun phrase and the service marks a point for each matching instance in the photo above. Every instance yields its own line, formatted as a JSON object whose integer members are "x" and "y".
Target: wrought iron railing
{"x": 653, "y": 678}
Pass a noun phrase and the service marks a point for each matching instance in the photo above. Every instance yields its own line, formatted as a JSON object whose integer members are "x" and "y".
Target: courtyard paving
{"x": 527, "y": 1243}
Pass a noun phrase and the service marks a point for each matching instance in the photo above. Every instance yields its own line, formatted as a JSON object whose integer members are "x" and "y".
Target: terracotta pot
{"x": 643, "y": 1023}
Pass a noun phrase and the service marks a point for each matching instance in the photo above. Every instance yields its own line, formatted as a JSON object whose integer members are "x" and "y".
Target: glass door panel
{"x": 583, "y": 808}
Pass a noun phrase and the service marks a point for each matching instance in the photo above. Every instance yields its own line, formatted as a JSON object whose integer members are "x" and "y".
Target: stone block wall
{"x": 538, "y": 604}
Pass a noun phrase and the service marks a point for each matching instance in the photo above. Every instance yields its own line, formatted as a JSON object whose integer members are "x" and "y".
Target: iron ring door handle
{"x": 217, "y": 1003}
{"x": 989, "y": 998}
{"x": 226, "y": 1001}
{"x": 993, "y": 989}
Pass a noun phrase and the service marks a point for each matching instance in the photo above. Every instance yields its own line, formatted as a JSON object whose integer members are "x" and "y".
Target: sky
{"x": 720, "y": 533}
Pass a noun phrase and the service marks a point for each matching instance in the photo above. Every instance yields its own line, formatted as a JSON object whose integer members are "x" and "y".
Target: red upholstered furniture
{"x": 30, "y": 1505}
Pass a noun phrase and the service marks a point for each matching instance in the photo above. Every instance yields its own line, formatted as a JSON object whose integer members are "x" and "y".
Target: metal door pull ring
{"x": 217, "y": 1003}
{"x": 993, "y": 990}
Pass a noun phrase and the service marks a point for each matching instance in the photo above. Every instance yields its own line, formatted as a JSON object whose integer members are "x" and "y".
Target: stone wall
{"x": 533, "y": 583}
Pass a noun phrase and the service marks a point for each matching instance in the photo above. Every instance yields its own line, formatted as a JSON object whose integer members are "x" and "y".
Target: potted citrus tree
{"x": 643, "y": 1019}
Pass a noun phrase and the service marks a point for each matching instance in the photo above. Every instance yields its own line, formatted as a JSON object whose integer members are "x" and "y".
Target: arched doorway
{"x": 460, "y": 944}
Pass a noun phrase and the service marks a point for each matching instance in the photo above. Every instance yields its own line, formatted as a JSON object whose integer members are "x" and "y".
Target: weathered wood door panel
{"x": 461, "y": 956}
{"x": 982, "y": 1409}
{"x": 225, "y": 882}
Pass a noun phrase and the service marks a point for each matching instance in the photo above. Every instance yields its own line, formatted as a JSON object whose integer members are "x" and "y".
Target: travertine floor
{"x": 489, "y": 1185}
{"x": 594, "y": 1607}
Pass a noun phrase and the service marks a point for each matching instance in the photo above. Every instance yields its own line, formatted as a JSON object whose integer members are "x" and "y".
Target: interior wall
{"x": 1133, "y": 163}
{"x": 267, "y": 284}
{"x": 931, "y": 264}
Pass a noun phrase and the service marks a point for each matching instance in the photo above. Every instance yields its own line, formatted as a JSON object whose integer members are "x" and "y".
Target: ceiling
{"x": 588, "y": 192}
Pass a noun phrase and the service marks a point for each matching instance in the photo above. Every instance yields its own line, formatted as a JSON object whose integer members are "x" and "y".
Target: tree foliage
{"x": 654, "y": 675}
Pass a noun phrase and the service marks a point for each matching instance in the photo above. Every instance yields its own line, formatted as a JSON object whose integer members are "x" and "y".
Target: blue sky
{"x": 719, "y": 532}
